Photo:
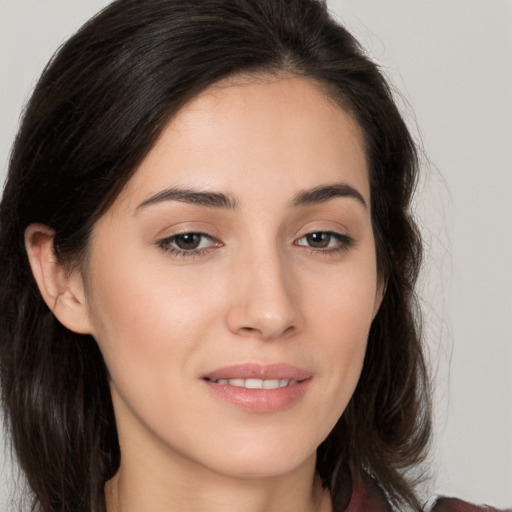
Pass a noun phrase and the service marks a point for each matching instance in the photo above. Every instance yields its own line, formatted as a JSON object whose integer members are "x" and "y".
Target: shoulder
{"x": 456, "y": 505}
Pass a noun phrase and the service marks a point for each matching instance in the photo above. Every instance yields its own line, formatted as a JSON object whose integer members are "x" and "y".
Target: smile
{"x": 259, "y": 388}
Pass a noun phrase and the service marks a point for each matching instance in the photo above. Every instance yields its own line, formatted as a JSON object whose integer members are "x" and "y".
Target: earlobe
{"x": 62, "y": 290}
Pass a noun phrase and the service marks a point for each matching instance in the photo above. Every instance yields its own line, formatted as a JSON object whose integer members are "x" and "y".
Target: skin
{"x": 252, "y": 291}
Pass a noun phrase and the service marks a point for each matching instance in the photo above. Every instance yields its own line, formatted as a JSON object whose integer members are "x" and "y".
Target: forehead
{"x": 256, "y": 135}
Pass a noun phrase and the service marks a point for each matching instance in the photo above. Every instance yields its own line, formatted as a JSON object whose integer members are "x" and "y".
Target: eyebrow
{"x": 325, "y": 193}
{"x": 186, "y": 195}
{"x": 320, "y": 194}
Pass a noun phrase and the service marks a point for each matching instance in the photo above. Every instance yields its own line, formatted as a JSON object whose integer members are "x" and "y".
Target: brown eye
{"x": 188, "y": 241}
{"x": 188, "y": 244}
{"x": 319, "y": 240}
{"x": 327, "y": 241}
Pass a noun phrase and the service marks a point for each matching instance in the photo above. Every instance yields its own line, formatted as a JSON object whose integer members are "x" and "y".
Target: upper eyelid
{"x": 172, "y": 231}
{"x": 321, "y": 223}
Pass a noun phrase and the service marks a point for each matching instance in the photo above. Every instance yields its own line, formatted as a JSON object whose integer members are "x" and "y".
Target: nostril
{"x": 289, "y": 330}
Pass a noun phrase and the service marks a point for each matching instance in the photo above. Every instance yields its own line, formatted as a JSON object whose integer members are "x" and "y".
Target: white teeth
{"x": 253, "y": 383}
{"x": 257, "y": 383}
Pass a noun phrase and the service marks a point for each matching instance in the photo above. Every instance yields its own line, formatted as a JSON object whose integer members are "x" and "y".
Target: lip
{"x": 259, "y": 371}
{"x": 259, "y": 400}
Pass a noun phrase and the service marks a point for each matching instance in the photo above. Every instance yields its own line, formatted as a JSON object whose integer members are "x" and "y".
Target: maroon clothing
{"x": 372, "y": 499}
{"x": 455, "y": 505}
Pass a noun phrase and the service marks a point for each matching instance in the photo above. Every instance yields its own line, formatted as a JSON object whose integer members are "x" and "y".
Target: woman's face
{"x": 232, "y": 284}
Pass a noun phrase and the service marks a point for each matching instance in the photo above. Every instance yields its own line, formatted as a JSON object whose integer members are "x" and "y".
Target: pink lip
{"x": 259, "y": 400}
{"x": 259, "y": 371}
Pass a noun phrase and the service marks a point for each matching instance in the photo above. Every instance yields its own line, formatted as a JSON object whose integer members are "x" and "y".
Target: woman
{"x": 208, "y": 267}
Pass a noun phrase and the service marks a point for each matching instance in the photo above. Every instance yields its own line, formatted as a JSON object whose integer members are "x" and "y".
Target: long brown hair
{"x": 95, "y": 113}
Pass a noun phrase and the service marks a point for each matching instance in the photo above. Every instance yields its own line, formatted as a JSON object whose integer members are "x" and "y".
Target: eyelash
{"x": 344, "y": 243}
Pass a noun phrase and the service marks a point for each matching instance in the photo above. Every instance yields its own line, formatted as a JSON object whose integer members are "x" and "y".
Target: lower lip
{"x": 259, "y": 400}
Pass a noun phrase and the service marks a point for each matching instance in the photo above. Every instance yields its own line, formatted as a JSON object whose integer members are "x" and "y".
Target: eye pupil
{"x": 188, "y": 241}
{"x": 318, "y": 240}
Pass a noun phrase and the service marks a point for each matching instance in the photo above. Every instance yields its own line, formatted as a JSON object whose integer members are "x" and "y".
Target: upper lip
{"x": 259, "y": 371}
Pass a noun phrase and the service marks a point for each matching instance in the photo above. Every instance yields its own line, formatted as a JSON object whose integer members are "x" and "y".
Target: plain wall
{"x": 451, "y": 60}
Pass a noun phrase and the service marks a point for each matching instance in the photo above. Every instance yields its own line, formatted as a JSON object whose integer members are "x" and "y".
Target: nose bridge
{"x": 265, "y": 303}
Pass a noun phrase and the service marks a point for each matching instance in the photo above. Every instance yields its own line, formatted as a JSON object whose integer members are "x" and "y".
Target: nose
{"x": 264, "y": 299}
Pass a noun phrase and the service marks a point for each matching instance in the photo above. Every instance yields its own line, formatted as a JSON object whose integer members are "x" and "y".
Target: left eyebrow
{"x": 325, "y": 193}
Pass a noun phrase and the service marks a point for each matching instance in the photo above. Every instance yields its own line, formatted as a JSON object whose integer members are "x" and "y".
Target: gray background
{"x": 451, "y": 60}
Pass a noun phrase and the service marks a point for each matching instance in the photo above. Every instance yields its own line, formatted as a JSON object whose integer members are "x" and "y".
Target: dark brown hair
{"x": 96, "y": 112}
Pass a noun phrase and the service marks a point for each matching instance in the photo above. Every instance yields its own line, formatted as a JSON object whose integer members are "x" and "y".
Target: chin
{"x": 253, "y": 469}
{"x": 263, "y": 458}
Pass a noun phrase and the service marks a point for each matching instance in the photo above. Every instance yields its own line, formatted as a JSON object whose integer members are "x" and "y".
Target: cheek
{"x": 150, "y": 319}
{"x": 343, "y": 305}
{"x": 340, "y": 315}
{"x": 151, "y": 329}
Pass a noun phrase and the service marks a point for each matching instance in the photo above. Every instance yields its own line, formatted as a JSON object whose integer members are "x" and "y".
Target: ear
{"x": 61, "y": 289}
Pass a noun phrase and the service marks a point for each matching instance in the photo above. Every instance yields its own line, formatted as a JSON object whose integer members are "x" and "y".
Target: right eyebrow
{"x": 192, "y": 196}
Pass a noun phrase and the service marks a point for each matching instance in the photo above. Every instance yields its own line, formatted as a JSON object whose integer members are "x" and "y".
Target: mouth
{"x": 259, "y": 388}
